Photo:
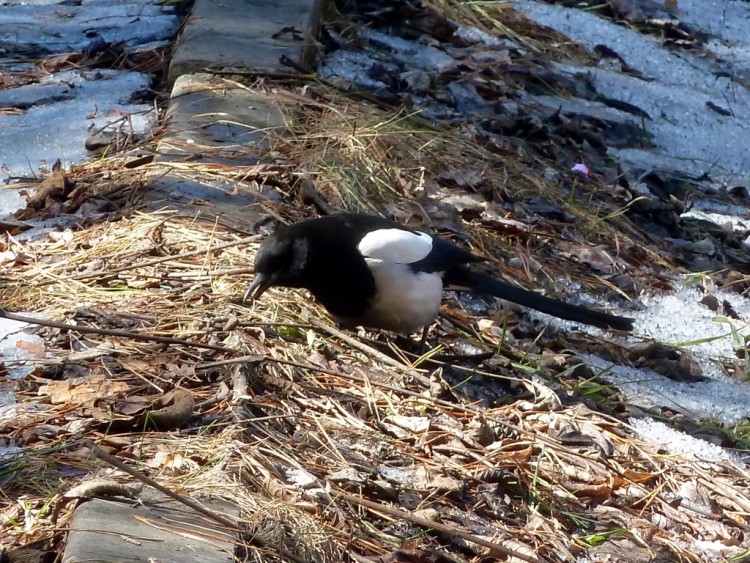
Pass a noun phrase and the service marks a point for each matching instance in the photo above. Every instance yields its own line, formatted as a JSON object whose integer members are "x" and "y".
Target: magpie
{"x": 372, "y": 272}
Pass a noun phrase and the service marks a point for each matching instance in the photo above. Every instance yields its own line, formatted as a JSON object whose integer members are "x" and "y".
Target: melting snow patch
{"x": 680, "y": 319}
{"x": 357, "y": 66}
{"x": 676, "y": 94}
{"x": 15, "y": 347}
{"x": 8, "y": 454}
{"x": 719, "y": 399}
{"x": 352, "y": 66}
{"x": 18, "y": 347}
{"x": 474, "y": 35}
{"x": 679, "y": 443}
{"x": 54, "y": 118}
{"x": 60, "y": 113}
{"x": 737, "y": 223}
{"x": 412, "y": 52}
{"x": 727, "y": 22}
{"x": 51, "y": 26}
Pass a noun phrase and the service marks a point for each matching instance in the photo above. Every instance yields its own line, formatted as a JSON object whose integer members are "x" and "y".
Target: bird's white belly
{"x": 405, "y": 301}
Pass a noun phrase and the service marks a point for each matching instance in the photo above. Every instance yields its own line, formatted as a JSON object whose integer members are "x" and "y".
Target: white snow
{"x": 679, "y": 319}
{"x": 679, "y": 443}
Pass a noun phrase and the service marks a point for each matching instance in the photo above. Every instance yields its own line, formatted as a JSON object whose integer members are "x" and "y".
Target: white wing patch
{"x": 395, "y": 245}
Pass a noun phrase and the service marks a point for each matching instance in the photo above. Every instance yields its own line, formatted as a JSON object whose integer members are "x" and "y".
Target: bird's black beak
{"x": 260, "y": 284}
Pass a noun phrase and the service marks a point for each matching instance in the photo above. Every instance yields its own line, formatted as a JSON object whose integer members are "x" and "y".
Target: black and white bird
{"x": 372, "y": 272}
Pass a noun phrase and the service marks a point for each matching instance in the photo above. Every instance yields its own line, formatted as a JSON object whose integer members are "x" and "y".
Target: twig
{"x": 497, "y": 549}
{"x": 108, "y": 332}
{"x": 232, "y": 361}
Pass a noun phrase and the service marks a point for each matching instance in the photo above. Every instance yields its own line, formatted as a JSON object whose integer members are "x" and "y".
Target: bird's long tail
{"x": 464, "y": 280}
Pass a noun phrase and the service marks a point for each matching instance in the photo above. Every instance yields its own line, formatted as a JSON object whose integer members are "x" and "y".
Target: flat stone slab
{"x": 219, "y": 120}
{"x": 155, "y": 528}
{"x": 213, "y": 122}
{"x": 249, "y": 35}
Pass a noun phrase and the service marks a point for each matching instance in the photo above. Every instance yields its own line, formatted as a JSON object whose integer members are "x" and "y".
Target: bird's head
{"x": 280, "y": 260}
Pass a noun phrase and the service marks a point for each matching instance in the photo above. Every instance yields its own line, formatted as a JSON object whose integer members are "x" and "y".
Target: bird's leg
{"x": 423, "y": 340}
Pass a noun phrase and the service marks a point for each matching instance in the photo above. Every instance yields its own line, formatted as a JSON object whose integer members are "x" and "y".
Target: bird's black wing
{"x": 444, "y": 256}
